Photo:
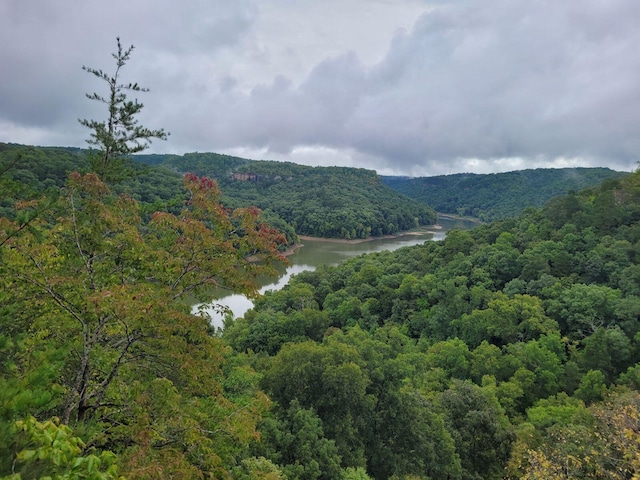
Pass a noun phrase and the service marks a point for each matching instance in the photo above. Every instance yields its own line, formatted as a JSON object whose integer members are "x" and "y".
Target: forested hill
{"x": 511, "y": 351}
{"x": 497, "y": 195}
{"x": 29, "y": 171}
{"x": 320, "y": 201}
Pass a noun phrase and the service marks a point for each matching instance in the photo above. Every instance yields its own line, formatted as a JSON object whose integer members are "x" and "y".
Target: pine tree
{"x": 120, "y": 135}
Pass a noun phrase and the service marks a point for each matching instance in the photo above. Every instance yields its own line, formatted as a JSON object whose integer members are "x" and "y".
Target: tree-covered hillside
{"x": 320, "y": 201}
{"x": 324, "y": 202}
{"x": 508, "y": 351}
{"x": 498, "y": 195}
{"x": 28, "y": 172}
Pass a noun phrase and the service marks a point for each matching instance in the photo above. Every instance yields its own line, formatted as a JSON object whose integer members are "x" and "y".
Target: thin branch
{"x": 77, "y": 239}
{"x": 102, "y": 388}
{"x": 58, "y": 298}
{"x": 18, "y": 230}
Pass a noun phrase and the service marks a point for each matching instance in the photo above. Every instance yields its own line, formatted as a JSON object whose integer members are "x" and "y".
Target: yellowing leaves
{"x": 98, "y": 290}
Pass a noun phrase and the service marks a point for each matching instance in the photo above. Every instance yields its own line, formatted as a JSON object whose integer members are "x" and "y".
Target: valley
{"x": 502, "y": 338}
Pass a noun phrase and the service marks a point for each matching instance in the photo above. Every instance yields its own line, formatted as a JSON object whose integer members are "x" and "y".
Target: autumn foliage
{"x": 98, "y": 333}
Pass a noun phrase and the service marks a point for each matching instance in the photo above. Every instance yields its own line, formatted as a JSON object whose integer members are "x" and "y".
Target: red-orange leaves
{"x": 95, "y": 288}
{"x": 88, "y": 183}
{"x": 206, "y": 246}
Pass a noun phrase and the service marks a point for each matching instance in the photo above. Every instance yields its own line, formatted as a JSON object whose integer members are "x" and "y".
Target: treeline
{"x": 507, "y": 351}
{"x": 330, "y": 202}
{"x": 323, "y": 201}
{"x": 497, "y": 196}
{"x": 28, "y": 172}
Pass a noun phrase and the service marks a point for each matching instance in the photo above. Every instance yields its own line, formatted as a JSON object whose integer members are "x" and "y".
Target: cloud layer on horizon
{"x": 470, "y": 86}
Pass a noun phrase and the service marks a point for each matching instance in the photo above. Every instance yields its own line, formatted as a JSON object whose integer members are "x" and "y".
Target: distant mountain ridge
{"x": 332, "y": 202}
{"x": 497, "y": 195}
{"x": 337, "y": 202}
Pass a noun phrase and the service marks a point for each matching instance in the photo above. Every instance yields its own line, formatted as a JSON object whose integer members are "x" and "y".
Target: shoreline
{"x": 451, "y": 216}
{"x": 426, "y": 229}
{"x": 292, "y": 249}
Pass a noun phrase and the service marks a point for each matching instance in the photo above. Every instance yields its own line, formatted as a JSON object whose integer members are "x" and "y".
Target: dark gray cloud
{"x": 42, "y": 85}
{"x": 472, "y": 86}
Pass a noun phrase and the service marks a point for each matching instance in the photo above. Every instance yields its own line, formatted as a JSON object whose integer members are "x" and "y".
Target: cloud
{"x": 46, "y": 43}
{"x": 467, "y": 85}
{"x": 471, "y": 82}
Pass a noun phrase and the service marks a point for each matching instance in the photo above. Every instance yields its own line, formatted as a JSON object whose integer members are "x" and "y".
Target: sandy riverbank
{"x": 421, "y": 231}
{"x": 292, "y": 248}
{"x": 449, "y": 216}
{"x": 428, "y": 229}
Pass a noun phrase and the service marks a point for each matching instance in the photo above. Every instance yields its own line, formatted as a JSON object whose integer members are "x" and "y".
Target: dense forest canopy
{"x": 507, "y": 351}
{"x": 497, "y": 195}
{"x": 321, "y": 201}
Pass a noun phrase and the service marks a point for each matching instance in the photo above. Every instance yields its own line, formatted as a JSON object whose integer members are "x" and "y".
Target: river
{"x": 315, "y": 252}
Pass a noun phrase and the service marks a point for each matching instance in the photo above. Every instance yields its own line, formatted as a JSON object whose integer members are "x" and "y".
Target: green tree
{"x": 506, "y": 320}
{"x": 258, "y": 468}
{"x": 607, "y": 350}
{"x": 95, "y": 325}
{"x": 450, "y": 355}
{"x": 410, "y": 438}
{"x": 581, "y": 309}
{"x": 592, "y": 387}
{"x": 557, "y": 409}
{"x": 297, "y": 443}
{"x": 542, "y": 367}
{"x": 481, "y": 432}
{"x": 355, "y": 474}
{"x": 52, "y": 449}
{"x": 120, "y": 134}
{"x": 331, "y": 379}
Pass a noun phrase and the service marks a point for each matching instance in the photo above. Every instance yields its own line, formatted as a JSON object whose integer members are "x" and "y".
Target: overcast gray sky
{"x": 407, "y": 87}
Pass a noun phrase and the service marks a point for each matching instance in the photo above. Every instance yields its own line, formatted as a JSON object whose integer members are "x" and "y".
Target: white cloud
{"x": 408, "y": 87}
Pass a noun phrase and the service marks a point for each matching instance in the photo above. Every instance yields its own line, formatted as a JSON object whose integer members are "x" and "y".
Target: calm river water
{"x": 318, "y": 252}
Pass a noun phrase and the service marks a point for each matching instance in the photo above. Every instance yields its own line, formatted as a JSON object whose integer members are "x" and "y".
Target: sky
{"x": 404, "y": 87}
